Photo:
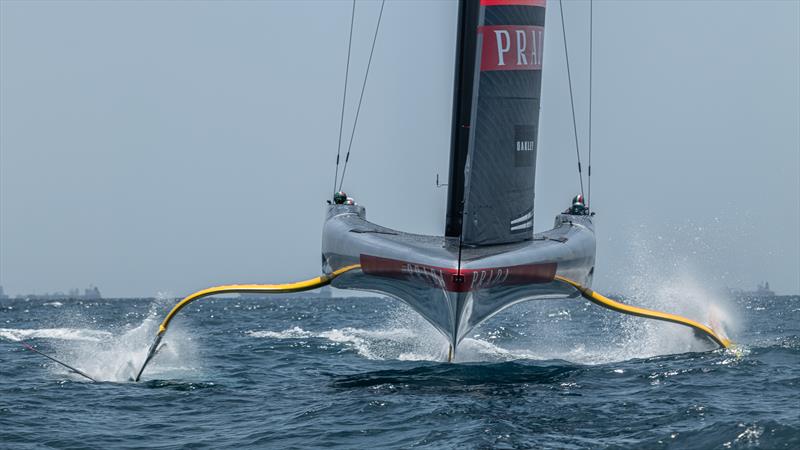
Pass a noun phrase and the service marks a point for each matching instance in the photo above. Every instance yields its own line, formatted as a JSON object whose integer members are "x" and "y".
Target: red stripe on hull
{"x": 455, "y": 280}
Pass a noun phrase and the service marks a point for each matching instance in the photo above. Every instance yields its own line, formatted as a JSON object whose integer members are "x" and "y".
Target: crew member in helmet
{"x": 339, "y": 198}
{"x": 578, "y": 206}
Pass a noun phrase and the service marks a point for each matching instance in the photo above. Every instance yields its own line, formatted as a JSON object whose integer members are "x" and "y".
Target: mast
{"x": 466, "y": 45}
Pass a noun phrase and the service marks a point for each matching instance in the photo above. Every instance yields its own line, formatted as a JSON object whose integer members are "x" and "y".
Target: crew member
{"x": 578, "y": 207}
{"x": 339, "y": 198}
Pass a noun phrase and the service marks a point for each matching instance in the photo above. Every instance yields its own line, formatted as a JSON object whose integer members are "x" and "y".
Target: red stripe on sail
{"x": 514, "y": 2}
{"x": 454, "y": 280}
{"x": 512, "y": 47}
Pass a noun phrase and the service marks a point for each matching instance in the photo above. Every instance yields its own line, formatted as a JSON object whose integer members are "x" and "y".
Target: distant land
{"x": 762, "y": 290}
{"x": 90, "y": 293}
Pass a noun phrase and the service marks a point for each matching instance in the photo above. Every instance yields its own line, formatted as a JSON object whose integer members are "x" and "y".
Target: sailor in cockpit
{"x": 578, "y": 207}
{"x": 340, "y": 198}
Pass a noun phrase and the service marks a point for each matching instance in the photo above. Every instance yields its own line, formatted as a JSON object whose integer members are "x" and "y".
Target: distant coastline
{"x": 762, "y": 290}
{"x": 89, "y": 293}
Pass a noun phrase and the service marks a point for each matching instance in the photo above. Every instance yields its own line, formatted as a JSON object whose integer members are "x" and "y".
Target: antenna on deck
{"x": 438, "y": 185}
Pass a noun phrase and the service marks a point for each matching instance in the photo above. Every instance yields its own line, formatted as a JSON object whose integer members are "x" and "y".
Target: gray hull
{"x": 423, "y": 271}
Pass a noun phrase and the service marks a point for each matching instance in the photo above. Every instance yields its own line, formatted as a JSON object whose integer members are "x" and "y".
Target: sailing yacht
{"x": 488, "y": 257}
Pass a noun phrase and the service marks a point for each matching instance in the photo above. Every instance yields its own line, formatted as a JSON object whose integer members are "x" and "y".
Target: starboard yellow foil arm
{"x": 299, "y": 286}
{"x": 613, "y": 305}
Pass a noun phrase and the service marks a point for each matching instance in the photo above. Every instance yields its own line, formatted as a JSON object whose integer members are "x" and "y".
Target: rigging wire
{"x": 344, "y": 95}
{"x": 361, "y": 97}
{"x": 571, "y": 99}
{"x": 591, "y": 58}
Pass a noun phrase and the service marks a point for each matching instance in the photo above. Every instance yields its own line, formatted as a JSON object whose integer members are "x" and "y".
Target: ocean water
{"x": 368, "y": 373}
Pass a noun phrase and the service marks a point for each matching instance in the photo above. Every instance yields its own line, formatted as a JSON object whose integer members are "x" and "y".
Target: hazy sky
{"x": 153, "y": 146}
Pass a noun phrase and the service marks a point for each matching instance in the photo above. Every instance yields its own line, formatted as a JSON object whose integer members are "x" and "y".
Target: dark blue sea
{"x": 368, "y": 373}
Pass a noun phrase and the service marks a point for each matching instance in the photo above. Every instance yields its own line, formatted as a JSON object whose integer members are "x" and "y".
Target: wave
{"x": 292, "y": 333}
{"x": 735, "y": 434}
{"x": 67, "y": 334}
{"x": 391, "y": 343}
{"x": 409, "y": 344}
{"x": 458, "y": 375}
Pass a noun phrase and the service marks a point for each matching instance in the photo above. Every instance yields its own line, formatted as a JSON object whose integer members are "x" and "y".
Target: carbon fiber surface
{"x": 501, "y": 159}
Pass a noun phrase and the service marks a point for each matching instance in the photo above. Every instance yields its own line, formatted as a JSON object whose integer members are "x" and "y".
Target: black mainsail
{"x": 495, "y": 121}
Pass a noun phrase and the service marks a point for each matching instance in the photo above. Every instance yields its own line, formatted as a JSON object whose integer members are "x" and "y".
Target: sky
{"x": 162, "y": 147}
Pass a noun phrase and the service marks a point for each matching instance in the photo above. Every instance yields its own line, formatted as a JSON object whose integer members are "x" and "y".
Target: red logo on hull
{"x": 512, "y": 47}
{"x": 453, "y": 280}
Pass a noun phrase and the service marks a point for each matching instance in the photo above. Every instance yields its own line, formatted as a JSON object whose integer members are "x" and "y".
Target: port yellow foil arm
{"x": 299, "y": 286}
{"x": 613, "y": 305}
{"x": 313, "y": 283}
